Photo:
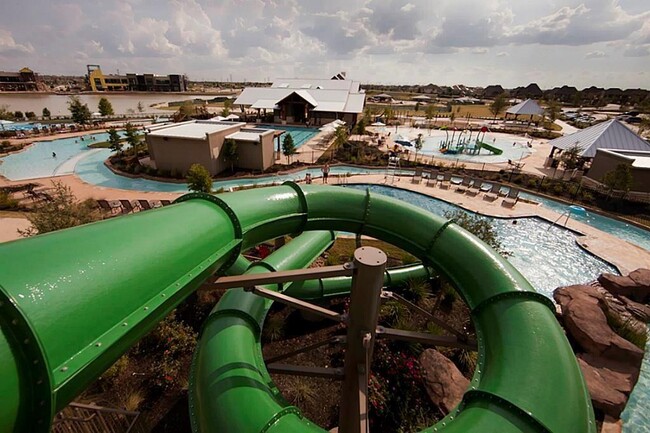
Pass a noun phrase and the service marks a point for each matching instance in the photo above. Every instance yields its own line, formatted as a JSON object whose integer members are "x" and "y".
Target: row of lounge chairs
{"x": 119, "y": 207}
{"x": 468, "y": 185}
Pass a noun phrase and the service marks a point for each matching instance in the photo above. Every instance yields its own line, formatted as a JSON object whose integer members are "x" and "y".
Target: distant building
{"x": 99, "y": 82}
{"x": 177, "y": 146}
{"x": 316, "y": 102}
{"x": 23, "y": 80}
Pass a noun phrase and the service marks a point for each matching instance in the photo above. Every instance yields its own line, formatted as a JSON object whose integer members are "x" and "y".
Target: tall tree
{"x": 418, "y": 146}
{"x": 114, "y": 140}
{"x": 80, "y": 112}
{"x": 46, "y": 113}
{"x": 105, "y": 107}
{"x": 230, "y": 154}
{"x": 553, "y": 110}
{"x": 288, "y": 147}
{"x": 199, "y": 179}
{"x": 497, "y": 106}
{"x": 132, "y": 137}
{"x": 570, "y": 158}
{"x": 227, "y": 107}
{"x": 429, "y": 112}
{"x": 341, "y": 137}
{"x": 360, "y": 127}
{"x": 620, "y": 178}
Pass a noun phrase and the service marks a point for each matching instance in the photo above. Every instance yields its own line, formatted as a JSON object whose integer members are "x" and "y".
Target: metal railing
{"x": 85, "y": 418}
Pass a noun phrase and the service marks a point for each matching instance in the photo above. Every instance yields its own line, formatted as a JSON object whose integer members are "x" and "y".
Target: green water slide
{"x": 489, "y": 147}
{"x": 72, "y": 302}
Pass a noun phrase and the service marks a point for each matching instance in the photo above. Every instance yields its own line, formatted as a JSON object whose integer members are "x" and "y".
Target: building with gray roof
{"x": 313, "y": 101}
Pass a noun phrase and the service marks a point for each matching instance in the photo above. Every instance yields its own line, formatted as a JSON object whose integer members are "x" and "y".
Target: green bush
{"x": 137, "y": 168}
{"x": 532, "y": 183}
{"x": 199, "y": 179}
{"x": 558, "y": 188}
{"x": 7, "y": 202}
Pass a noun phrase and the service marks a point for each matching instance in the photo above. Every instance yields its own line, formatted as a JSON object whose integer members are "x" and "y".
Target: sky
{"x": 605, "y": 43}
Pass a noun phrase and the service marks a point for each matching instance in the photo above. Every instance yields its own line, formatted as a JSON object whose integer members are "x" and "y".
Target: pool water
{"x": 546, "y": 255}
{"x": 620, "y": 229}
{"x": 37, "y": 161}
{"x": 636, "y": 417}
{"x": 300, "y": 135}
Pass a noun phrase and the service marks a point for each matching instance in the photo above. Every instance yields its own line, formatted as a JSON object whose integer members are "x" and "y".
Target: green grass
{"x": 344, "y": 249}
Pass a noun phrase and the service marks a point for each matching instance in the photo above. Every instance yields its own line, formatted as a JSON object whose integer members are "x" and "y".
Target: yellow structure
{"x": 101, "y": 83}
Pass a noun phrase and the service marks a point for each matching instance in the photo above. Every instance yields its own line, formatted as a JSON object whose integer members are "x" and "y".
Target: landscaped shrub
{"x": 558, "y": 188}
{"x": 7, "y": 202}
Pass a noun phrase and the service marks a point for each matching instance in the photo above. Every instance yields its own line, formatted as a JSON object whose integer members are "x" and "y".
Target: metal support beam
{"x": 332, "y": 340}
{"x": 367, "y": 281}
{"x": 424, "y": 338}
{"x": 434, "y": 319}
{"x": 301, "y": 370}
{"x": 296, "y": 303}
{"x": 247, "y": 280}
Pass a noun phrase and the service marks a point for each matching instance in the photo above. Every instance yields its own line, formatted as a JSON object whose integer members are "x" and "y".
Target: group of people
{"x": 324, "y": 169}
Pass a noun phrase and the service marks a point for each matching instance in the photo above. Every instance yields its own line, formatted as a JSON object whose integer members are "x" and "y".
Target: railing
{"x": 84, "y": 418}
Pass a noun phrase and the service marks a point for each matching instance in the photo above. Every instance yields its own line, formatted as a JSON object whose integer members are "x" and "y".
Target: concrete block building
{"x": 175, "y": 147}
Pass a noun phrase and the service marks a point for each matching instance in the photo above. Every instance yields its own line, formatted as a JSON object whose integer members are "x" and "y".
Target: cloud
{"x": 480, "y": 50}
{"x": 502, "y": 54}
{"x": 637, "y": 51}
{"x": 595, "y": 55}
{"x": 8, "y": 45}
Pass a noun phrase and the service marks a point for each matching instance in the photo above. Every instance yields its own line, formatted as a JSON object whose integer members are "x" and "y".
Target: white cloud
{"x": 9, "y": 46}
{"x": 595, "y": 55}
{"x": 480, "y": 50}
{"x": 407, "y": 7}
{"x": 502, "y": 54}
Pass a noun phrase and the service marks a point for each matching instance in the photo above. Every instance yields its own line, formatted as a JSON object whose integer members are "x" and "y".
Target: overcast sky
{"x": 473, "y": 42}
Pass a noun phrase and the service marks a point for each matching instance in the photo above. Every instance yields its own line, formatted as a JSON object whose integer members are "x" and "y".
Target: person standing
{"x": 326, "y": 172}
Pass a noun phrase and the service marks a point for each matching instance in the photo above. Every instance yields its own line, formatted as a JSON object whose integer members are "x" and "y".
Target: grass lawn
{"x": 343, "y": 249}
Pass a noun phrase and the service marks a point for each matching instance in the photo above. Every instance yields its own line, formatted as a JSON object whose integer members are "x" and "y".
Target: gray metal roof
{"x": 528, "y": 107}
{"x": 343, "y": 96}
{"x": 607, "y": 135}
{"x": 193, "y": 129}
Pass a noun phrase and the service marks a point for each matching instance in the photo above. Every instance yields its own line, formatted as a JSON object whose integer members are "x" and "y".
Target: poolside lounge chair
{"x": 493, "y": 194}
{"x": 474, "y": 190}
{"x": 417, "y": 177}
{"x": 485, "y": 187}
{"x": 433, "y": 178}
{"x": 464, "y": 185}
{"x": 165, "y": 202}
{"x": 106, "y": 206}
{"x": 446, "y": 179}
{"x": 456, "y": 180}
{"x": 128, "y": 207}
{"x": 145, "y": 205}
{"x": 511, "y": 199}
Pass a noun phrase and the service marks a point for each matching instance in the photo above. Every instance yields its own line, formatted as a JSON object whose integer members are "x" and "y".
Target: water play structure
{"x": 71, "y": 302}
{"x": 464, "y": 144}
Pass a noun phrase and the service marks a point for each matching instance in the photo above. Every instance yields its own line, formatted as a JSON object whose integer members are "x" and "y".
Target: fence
{"x": 84, "y": 418}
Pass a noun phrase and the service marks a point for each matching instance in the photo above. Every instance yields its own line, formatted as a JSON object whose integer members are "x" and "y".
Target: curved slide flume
{"x": 72, "y": 314}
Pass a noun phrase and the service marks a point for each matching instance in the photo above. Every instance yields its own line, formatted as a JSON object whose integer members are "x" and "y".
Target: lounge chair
{"x": 144, "y": 204}
{"x": 433, "y": 178}
{"x": 493, "y": 193}
{"x": 417, "y": 177}
{"x": 474, "y": 190}
{"x": 485, "y": 187}
{"x": 128, "y": 207}
{"x": 511, "y": 199}
{"x": 165, "y": 202}
{"x": 456, "y": 180}
{"x": 446, "y": 179}
{"x": 464, "y": 185}
{"x": 106, "y": 206}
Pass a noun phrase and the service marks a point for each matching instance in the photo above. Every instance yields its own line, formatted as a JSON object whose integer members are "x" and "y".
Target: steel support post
{"x": 367, "y": 281}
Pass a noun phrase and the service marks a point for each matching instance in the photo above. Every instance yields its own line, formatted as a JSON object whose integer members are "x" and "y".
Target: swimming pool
{"x": 620, "y": 229}
{"x": 38, "y": 159}
{"x": 300, "y": 135}
{"x": 546, "y": 255}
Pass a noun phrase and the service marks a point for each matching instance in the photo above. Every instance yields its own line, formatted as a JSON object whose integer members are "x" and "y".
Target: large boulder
{"x": 635, "y": 286}
{"x": 609, "y": 383}
{"x": 585, "y": 320}
{"x": 444, "y": 383}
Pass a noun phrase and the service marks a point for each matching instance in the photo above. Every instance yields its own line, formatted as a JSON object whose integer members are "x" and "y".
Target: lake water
{"x": 58, "y": 104}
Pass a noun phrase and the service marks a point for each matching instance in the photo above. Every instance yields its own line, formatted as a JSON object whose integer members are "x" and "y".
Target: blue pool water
{"x": 636, "y": 417}
{"x": 37, "y": 161}
{"x": 300, "y": 135}
{"x": 629, "y": 232}
{"x": 547, "y": 256}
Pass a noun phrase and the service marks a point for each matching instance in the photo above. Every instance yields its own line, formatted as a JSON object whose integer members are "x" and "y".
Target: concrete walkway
{"x": 566, "y": 128}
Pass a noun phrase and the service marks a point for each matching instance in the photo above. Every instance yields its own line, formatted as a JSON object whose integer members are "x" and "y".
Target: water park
{"x": 314, "y": 338}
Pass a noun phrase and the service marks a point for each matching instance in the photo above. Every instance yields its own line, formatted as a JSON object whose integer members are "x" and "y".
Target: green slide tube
{"x": 120, "y": 277}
